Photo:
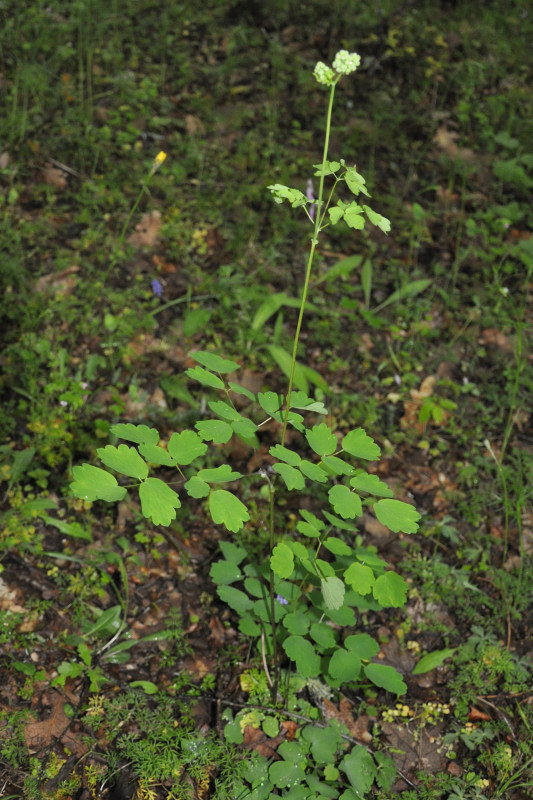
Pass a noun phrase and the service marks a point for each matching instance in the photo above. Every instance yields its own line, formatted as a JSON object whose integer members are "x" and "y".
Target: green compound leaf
{"x": 156, "y": 455}
{"x": 360, "y": 577}
{"x": 321, "y": 439}
{"x": 376, "y": 219}
{"x": 355, "y": 182}
{"x": 398, "y": 516}
{"x": 286, "y": 455}
{"x": 226, "y": 509}
{"x": 282, "y": 560}
{"x": 432, "y": 660}
{"x": 386, "y": 770}
{"x": 204, "y": 377}
{"x": 283, "y": 774}
{"x": 344, "y": 666}
{"x": 313, "y": 471}
{"x": 304, "y": 654}
{"x": 390, "y": 589}
{"x": 371, "y": 484}
{"x": 294, "y": 196}
{"x": 92, "y": 483}
{"x": 333, "y": 592}
{"x": 158, "y": 501}
{"x": 335, "y": 214}
{"x": 337, "y": 465}
{"x": 323, "y": 635}
{"x": 139, "y": 434}
{"x": 238, "y": 389}
{"x": 223, "y": 572}
{"x": 244, "y": 428}
{"x": 324, "y": 743}
{"x": 345, "y": 503}
{"x": 359, "y": 444}
{"x": 233, "y": 552}
{"x": 221, "y": 474}
{"x": 186, "y": 446}
{"x": 271, "y": 403}
{"x": 302, "y": 401}
{"x": 213, "y": 362}
{"x": 353, "y": 217}
{"x": 215, "y": 430}
{"x": 297, "y": 623}
{"x": 196, "y": 488}
{"x": 293, "y": 477}
{"x": 224, "y": 410}
{"x": 360, "y": 769}
{"x": 237, "y": 600}
{"x": 327, "y": 169}
{"x": 123, "y": 459}
{"x": 337, "y": 546}
{"x": 362, "y": 645}
{"x": 385, "y": 677}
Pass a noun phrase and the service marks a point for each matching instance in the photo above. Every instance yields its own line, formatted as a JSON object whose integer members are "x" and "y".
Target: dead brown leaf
{"x": 55, "y": 177}
{"x": 55, "y": 728}
{"x": 147, "y": 230}
{"x": 358, "y": 727}
{"x": 58, "y": 283}
{"x": 255, "y": 739}
{"x": 495, "y": 338}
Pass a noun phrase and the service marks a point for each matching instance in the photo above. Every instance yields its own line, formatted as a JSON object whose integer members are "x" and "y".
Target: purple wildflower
{"x": 157, "y": 288}
{"x": 310, "y": 196}
{"x": 281, "y": 600}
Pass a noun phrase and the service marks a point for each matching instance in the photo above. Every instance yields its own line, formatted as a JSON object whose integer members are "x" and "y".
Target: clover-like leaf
{"x": 364, "y": 482}
{"x": 238, "y": 389}
{"x": 344, "y": 666}
{"x": 390, "y": 590}
{"x": 92, "y": 483}
{"x": 286, "y": 455}
{"x": 294, "y": 196}
{"x": 235, "y": 598}
{"x": 376, "y": 219}
{"x": 282, "y": 561}
{"x": 271, "y": 403}
{"x": 224, "y": 410}
{"x": 304, "y": 654}
{"x": 363, "y": 645}
{"x": 313, "y": 471}
{"x": 221, "y": 474}
{"x": 139, "y": 434}
{"x": 333, "y": 592}
{"x": 345, "y": 503}
{"x": 321, "y": 439}
{"x": 226, "y": 509}
{"x": 337, "y": 466}
{"x": 214, "y": 430}
{"x": 359, "y": 444}
{"x": 360, "y": 769}
{"x": 293, "y": 477}
{"x": 223, "y": 572}
{"x": 324, "y": 742}
{"x": 337, "y": 546}
{"x": 186, "y": 446}
{"x": 396, "y": 515}
{"x": 214, "y": 362}
{"x": 158, "y": 501}
{"x": 353, "y": 217}
{"x": 204, "y": 377}
{"x": 355, "y": 182}
{"x": 123, "y": 459}
{"x": 196, "y": 488}
{"x": 385, "y": 677}
{"x": 156, "y": 455}
{"x": 335, "y": 214}
{"x": 360, "y": 577}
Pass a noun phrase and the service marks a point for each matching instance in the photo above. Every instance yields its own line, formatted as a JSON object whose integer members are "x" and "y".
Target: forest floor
{"x": 120, "y": 664}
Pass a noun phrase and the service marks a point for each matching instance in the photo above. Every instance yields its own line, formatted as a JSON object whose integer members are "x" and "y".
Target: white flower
{"x": 324, "y": 74}
{"x": 346, "y": 62}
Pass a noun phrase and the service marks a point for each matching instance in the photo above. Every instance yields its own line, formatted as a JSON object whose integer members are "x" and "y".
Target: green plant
{"x": 296, "y": 602}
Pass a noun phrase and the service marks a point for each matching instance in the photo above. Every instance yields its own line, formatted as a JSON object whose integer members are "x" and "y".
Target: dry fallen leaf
{"x": 358, "y": 728}
{"x": 39, "y": 735}
{"x": 147, "y": 230}
{"x": 59, "y": 283}
{"x": 55, "y": 177}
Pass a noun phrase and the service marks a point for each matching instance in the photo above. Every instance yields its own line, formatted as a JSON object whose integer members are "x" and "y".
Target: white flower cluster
{"x": 346, "y": 62}
{"x": 324, "y": 74}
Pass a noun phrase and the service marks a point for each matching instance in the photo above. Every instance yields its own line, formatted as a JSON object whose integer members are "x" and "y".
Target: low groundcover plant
{"x": 296, "y": 604}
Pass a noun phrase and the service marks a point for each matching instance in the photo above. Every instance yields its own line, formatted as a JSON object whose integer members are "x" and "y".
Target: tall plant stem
{"x": 314, "y": 241}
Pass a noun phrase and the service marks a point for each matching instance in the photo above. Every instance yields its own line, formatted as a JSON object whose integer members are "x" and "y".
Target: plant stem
{"x": 314, "y": 241}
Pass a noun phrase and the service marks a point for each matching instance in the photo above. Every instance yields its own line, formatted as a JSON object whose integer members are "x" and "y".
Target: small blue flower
{"x": 281, "y": 600}
{"x": 157, "y": 288}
